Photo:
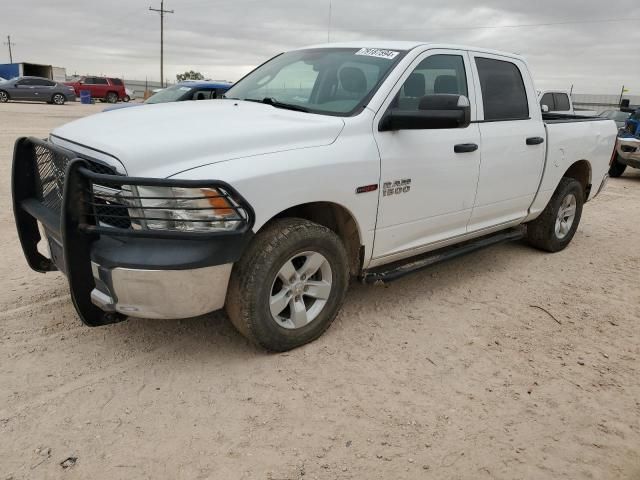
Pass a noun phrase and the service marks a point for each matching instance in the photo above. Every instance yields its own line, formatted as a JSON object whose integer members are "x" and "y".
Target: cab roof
{"x": 408, "y": 45}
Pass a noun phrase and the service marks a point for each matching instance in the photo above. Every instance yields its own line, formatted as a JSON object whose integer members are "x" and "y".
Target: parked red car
{"x": 108, "y": 89}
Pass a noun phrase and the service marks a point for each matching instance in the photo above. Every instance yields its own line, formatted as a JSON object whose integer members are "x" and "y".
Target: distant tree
{"x": 191, "y": 75}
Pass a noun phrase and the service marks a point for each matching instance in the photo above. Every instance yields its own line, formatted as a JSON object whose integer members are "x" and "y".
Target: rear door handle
{"x": 465, "y": 148}
{"x": 535, "y": 140}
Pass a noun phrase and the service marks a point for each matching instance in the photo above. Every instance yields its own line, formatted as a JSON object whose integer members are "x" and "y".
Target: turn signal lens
{"x": 219, "y": 203}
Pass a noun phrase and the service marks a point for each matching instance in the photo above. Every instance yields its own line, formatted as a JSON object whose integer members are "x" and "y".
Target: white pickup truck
{"x": 559, "y": 101}
{"x": 357, "y": 160}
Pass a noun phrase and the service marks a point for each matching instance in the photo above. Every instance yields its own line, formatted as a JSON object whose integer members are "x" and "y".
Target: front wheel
{"x": 617, "y": 168}
{"x": 58, "y": 99}
{"x": 554, "y": 229}
{"x": 288, "y": 287}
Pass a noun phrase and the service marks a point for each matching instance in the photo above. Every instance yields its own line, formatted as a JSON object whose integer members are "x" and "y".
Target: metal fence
{"x": 600, "y": 103}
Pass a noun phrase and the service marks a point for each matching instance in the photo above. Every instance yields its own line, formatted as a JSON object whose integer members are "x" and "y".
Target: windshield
{"x": 170, "y": 94}
{"x": 325, "y": 80}
{"x": 615, "y": 115}
{"x": 620, "y": 116}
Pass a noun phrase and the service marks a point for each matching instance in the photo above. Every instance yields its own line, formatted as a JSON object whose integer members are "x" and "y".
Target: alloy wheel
{"x": 300, "y": 290}
{"x": 566, "y": 216}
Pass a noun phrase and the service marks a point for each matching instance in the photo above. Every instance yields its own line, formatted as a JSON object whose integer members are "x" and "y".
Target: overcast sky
{"x": 226, "y": 39}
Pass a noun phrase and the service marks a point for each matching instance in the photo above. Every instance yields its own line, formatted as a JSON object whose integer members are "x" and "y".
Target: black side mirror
{"x": 436, "y": 111}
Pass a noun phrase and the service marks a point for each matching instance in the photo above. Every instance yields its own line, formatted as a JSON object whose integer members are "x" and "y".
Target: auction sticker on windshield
{"x": 376, "y": 52}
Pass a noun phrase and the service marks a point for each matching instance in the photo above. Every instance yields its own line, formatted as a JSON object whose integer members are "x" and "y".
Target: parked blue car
{"x": 183, "y": 91}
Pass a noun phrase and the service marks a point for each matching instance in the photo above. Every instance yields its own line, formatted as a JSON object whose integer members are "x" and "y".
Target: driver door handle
{"x": 465, "y": 148}
{"x": 535, "y": 140}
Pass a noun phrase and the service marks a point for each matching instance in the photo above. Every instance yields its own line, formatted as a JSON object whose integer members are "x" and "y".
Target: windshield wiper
{"x": 274, "y": 103}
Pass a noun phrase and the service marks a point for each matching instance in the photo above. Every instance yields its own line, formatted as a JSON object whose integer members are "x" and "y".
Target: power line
{"x": 161, "y": 11}
{"x": 333, "y": 27}
{"x": 521, "y": 25}
{"x": 8, "y": 42}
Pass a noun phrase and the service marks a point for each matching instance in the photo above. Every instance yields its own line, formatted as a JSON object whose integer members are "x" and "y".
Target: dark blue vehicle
{"x": 632, "y": 124}
{"x": 627, "y": 150}
{"x": 183, "y": 91}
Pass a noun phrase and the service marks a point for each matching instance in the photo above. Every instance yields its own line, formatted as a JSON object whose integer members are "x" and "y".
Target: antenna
{"x": 329, "y": 25}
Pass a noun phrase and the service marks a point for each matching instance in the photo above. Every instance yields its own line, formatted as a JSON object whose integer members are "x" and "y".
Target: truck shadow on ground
{"x": 213, "y": 335}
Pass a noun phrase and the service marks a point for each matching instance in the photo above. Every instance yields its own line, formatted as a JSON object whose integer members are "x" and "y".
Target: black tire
{"x": 4, "y": 96}
{"x": 126, "y": 99}
{"x": 255, "y": 276}
{"x": 58, "y": 99}
{"x": 617, "y": 168}
{"x": 542, "y": 233}
{"x": 112, "y": 97}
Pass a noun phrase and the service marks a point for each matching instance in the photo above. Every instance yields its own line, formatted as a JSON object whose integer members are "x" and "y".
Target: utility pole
{"x": 161, "y": 11}
{"x": 8, "y": 42}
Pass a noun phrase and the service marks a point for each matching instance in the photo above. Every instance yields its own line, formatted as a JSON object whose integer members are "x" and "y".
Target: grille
{"x": 51, "y": 166}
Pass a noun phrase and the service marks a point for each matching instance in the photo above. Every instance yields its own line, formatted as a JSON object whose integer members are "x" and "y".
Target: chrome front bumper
{"x": 114, "y": 270}
{"x": 160, "y": 294}
{"x": 628, "y": 149}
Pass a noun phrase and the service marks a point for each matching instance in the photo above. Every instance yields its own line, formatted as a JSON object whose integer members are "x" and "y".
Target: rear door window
{"x": 116, "y": 81}
{"x": 503, "y": 92}
{"x": 203, "y": 94}
{"x": 562, "y": 102}
{"x": 43, "y": 82}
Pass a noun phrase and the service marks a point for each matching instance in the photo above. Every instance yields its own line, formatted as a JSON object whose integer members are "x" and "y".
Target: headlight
{"x": 183, "y": 209}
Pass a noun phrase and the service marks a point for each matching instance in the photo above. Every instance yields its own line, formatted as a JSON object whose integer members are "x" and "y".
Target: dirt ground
{"x": 450, "y": 373}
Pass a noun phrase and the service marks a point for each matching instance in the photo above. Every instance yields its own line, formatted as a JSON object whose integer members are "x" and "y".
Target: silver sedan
{"x": 36, "y": 89}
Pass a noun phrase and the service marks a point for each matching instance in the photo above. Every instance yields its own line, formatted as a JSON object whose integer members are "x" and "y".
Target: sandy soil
{"x": 450, "y": 373}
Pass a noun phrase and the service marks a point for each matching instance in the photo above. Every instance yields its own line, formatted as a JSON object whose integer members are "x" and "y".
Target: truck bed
{"x": 566, "y": 118}
{"x": 575, "y": 140}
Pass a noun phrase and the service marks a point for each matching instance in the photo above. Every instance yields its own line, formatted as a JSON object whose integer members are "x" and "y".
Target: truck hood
{"x": 165, "y": 139}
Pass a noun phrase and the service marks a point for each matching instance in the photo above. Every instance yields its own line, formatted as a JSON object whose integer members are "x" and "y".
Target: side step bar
{"x": 396, "y": 270}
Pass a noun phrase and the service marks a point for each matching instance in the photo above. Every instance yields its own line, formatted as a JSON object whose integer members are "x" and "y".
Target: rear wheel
{"x": 4, "y": 96}
{"x": 112, "y": 97}
{"x": 554, "y": 229}
{"x": 617, "y": 168}
{"x": 58, "y": 99}
{"x": 126, "y": 98}
{"x": 288, "y": 287}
